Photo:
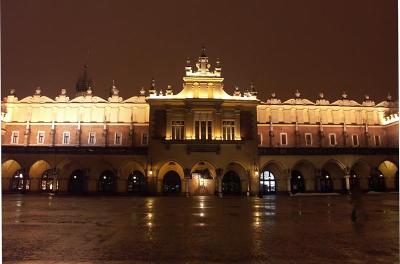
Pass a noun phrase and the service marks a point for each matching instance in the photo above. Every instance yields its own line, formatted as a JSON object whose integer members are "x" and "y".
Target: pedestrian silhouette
{"x": 356, "y": 201}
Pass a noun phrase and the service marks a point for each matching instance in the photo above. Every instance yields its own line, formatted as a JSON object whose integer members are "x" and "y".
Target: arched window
{"x": 171, "y": 183}
{"x": 20, "y": 182}
{"x": 326, "y": 183}
{"x": 231, "y": 183}
{"x": 267, "y": 182}
{"x": 76, "y": 182}
{"x": 297, "y": 182}
{"x": 136, "y": 182}
{"x": 48, "y": 181}
{"x": 107, "y": 182}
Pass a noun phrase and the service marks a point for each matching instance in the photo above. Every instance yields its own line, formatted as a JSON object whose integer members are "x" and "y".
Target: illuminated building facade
{"x": 200, "y": 141}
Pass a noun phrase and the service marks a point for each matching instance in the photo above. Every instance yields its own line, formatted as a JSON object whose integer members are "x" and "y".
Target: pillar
{"x": 219, "y": 172}
{"x": 347, "y": 182}
{"x": 237, "y": 125}
{"x": 289, "y": 186}
{"x": 187, "y": 182}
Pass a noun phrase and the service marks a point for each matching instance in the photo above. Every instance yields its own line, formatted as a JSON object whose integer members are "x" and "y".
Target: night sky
{"x": 281, "y": 46}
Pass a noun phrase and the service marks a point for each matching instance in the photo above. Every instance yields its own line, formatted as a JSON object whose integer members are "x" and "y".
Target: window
{"x": 92, "y": 138}
{"x": 145, "y": 139}
{"x": 178, "y": 130}
{"x": 228, "y": 130}
{"x": 40, "y": 137}
{"x": 118, "y": 139}
{"x": 308, "y": 137}
{"x": 259, "y": 139}
{"x": 355, "y": 140}
{"x": 66, "y": 138}
{"x": 332, "y": 139}
{"x": 203, "y": 130}
{"x": 377, "y": 140}
{"x": 14, "y": 137}
{"x": 283, "y": 137}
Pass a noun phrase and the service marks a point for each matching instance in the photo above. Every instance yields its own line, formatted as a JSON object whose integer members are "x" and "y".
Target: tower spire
{"x": 84, "y": 82}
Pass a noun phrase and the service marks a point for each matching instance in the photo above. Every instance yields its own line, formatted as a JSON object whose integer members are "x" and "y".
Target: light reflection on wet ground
{"x": 275, "y": 229}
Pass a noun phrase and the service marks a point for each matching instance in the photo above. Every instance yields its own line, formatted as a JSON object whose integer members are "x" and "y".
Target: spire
{"x": 114, "y": 90}
{"x": 152, "y": 89}
{"x": 203, "y": 52}
{"x": 84, "y": 82}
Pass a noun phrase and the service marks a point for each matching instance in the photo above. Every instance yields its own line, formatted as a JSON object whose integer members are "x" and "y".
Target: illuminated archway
{"x": 48, "y": 181}
{"x": 9, "y": 169}
{"x": 267, "y": 182}
{"x": 20, "y": 182}
{"x": 203, "y": 175}
{"x": 390, "y": 172}
{"x": 279, "y": 171}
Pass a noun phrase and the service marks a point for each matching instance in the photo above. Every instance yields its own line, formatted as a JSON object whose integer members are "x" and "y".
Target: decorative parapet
{"x": 393, "y": 118}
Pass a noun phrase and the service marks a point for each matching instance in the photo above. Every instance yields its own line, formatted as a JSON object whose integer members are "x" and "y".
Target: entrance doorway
{"x": 171, "y": 183}
{"x": 267, "y": 183}
{"x": 231, "y": 184}
{"x": 326, "y": 183}
{"x": 297, "y": 182}
{"x": 107, "y": 182}
{"x": 76, "y": 182}
{"x": 20, "y": 182}
{"x": 136, "y": 182}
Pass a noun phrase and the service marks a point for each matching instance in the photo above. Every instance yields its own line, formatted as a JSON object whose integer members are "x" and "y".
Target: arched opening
{"x": 362, "y": 170}
{"x": 354, "y": 180}
{"x": 267, "y": 182}
{"x": 297, "y": 182}
{"x": 48, "y": 182}
{"x": 377, "y": 182}
{"x": 136, "y": 182}
{"x": 20, "y": 182}
{"x": 325, "y": 182}
{"x": 107, "y": 182}
{"x": 390, "y": 173}
{"x": 76, "y": 182}
{"x": 171, "y": 183}
{"x": 231, "y": 184}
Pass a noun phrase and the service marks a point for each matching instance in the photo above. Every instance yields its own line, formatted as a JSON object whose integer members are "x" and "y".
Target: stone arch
{"x": 307, "y": 170}
{"x": 125, "y": 180}
{"x": 279, "y": 170}
{"x": 237, "y": 168}
{"x": 336, "y": 171}
{"x": 203, "y": 178}
{"x": 165, "y": 170}
{"x": 362, "y": 170}
{"x": 65, "y": 171}
{"x": 8, "y": 170}
{"x": 107, "y": 182}
{"x": 36, "y": 171}
{"x": 390, "y": 171}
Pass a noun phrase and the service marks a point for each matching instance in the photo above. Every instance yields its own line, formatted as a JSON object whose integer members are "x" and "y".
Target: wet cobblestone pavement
{"x": 275, "y": 229}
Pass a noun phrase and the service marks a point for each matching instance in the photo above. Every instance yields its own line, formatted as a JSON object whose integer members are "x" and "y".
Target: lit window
{"x": 92, "y": 138}
{"x": 355, "y": 140}
{"x": 228, "y": 130}
{"x": 203, "y": 130}
{"x": 377, "y": 140}
{"x": 332, "y": 139}
{"x": 283, "y": 137}
{"x": 66, "y": 138}
{"x": 308, "y": 137}
{"x": 118, "y": 139}
{"x": 14, "y": 137}
{"x": 40, "y": 137}
{"x": 145, "y": 139}
{"x": 178, "y": 130}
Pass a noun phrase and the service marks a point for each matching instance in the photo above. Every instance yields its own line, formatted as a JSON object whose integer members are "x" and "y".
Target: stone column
{"x": 217, "y": 125}
{"x": 288, "y": 184}
{"x": 248, "y": 183}
{"x": 187, "y": 182}
{"x": 347, "y": 182}
{"x": 237, "y": 125}
{"x": 219, "y": 172}
{"x": 168, "y": 130}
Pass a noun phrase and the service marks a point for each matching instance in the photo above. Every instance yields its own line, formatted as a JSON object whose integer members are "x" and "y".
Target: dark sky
{"x": 310, "y": 45}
